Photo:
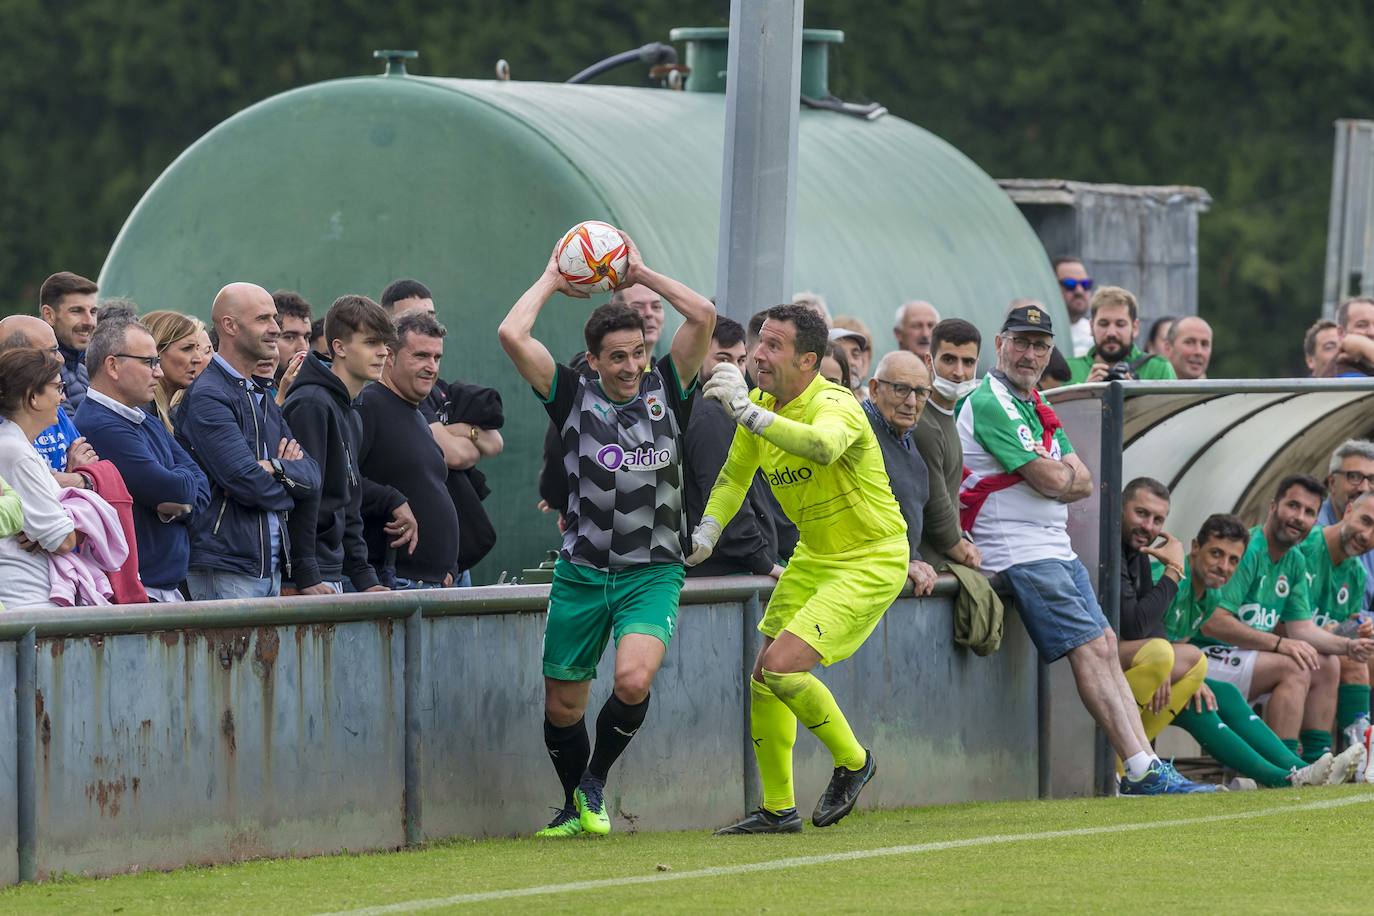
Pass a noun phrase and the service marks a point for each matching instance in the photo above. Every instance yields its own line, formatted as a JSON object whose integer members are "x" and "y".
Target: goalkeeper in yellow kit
{"x": 817, "y": 450}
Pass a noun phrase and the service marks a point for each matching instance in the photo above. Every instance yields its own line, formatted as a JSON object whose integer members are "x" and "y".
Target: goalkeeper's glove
{"x": 704, "y": 539}
{"x": 727, "y": 385}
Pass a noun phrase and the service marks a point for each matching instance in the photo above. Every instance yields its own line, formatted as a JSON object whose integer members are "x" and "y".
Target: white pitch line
{"x": 828, "y": 858}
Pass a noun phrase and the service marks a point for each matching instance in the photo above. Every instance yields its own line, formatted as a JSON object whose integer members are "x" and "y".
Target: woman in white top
{"x": 30, "y": 396}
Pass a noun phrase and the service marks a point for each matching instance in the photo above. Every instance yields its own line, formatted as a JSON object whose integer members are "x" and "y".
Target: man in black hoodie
{"x": 327, "y": 529}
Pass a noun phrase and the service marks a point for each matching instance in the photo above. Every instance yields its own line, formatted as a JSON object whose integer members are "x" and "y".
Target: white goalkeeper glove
{"x": 704, "y": 539}
{"x": 727, "y": 385}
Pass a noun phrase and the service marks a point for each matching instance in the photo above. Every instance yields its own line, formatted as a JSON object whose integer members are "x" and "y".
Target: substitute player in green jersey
{"x": 1336, "y": 580}
{"x": 818, "y": 452}
{"x": 1218, "y": 716}
{"x": 1261, "y": 637}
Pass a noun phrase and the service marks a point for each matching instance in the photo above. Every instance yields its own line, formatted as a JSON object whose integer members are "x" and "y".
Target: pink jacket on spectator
{"x": 78, "y": 577}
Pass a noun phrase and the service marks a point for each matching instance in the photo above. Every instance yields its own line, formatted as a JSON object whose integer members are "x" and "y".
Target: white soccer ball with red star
{"x": 593, "y": 256}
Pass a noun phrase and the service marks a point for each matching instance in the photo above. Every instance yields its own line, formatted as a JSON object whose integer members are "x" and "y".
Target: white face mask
{"x": 953, "y": 391}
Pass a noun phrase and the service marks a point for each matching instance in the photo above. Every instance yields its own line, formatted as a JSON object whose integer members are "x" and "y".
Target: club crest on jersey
{"x": 646, "y": 458}
{"x": 655, "y": 405}
{"x": 1343, "y": 595}
{"x": 1281, "y": 586}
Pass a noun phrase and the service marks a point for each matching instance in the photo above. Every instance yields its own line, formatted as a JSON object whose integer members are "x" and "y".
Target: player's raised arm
{"x": 532, "y": 359}
{"x": 693, "y": 339}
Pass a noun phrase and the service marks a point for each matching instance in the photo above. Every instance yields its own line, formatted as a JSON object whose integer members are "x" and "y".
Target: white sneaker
{"x": 1343, "y": 767}
{"x": 1315, "y": 773}
{"x": 1354, "y": 735}
{"x": 1368, "y": 744}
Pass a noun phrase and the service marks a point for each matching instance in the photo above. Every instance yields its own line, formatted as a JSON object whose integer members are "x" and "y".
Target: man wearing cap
{"x": 851, "y": 335}
{"x": 1022, "y": 477}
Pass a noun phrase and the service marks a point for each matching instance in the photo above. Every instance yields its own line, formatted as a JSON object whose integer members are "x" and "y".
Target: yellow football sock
{"x": 774, "y": 730}
{"x": 1150, "y": 667}
{"x": 814, "y": 705}
{"x": 1182, "y": 692}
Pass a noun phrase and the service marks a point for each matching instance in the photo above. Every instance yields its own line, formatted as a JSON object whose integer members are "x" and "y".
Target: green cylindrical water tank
{"x": 343, "y": 186}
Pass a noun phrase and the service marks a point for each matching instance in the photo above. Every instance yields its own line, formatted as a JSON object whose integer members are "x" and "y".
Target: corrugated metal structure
{"x": 1138, "y": 236}
{"x": 1350, "y": 228}
{"x": 343, "y": 186}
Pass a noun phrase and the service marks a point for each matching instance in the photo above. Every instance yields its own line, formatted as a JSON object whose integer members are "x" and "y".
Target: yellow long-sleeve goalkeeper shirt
{"x": 824, "y": 465}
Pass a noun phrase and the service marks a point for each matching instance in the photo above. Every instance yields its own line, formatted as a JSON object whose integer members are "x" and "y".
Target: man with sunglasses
{"x": 897, "y": 396}
{"x": 1114, "y": 355}
{"x": 1075, "y": 285}
{"x": 1023, "y": 474}
{"x": 1350, "y": 473}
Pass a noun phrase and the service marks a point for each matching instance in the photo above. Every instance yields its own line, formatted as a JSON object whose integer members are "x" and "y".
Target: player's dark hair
{"x": 813, "y": 334}
{"x": 1149, "y": 485}
{"x": 61, "y": 284}
{"x": 756, "y": 322}
{"x": 606, "y": 319}
{"x": 1222, "y": 527}
{"x": 1057, "y": 368}
{"x": 841, "y": 360}
{"x": 728, "y": 332}
{"x": 1158, "y": 326}
{"x": 419, "y": 323}
{"x": 398, "y": 290}
{"x": 352, "y": 314}
{"x": 1306, "y": 482}
{"x": 956, "y": 332}
{"x": 291, "y": 304}
{"x": 1065, "y": 259}
{"x": 316, "y": 330}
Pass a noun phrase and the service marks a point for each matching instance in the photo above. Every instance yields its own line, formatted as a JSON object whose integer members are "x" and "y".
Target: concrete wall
{"x": 162, "y": 748}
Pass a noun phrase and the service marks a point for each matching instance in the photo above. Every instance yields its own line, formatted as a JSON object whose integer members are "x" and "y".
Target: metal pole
{"x": 750, "y": 614}
{"x": 758, "y": 188}
{"x": 25, "y": 706}
{"x": 1109, "y": 551}
{"x": 1043, "y": 722}
{"x": 414, "y": 670}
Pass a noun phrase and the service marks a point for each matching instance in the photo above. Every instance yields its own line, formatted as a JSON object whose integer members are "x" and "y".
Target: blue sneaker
{"x": 1162, "y": 779}
{"x": 1181, "y": 785}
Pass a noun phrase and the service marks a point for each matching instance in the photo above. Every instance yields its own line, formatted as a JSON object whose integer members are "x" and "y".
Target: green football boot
{"x": 591, "y": 807}
{"x": 565, "y": 823}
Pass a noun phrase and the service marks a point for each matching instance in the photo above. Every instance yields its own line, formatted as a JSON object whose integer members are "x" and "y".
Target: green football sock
{"x": 774, "y": 730}
{"x": 1352, "y": 701}
{"x": 1241, "y": 719}
{"x": 812, "y": 703}
{"x": 1228, "y": 747}
{"x": 1315, "y": 742}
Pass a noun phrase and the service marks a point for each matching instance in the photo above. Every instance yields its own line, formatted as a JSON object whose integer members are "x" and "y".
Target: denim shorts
{"x": 1057, "y": 605}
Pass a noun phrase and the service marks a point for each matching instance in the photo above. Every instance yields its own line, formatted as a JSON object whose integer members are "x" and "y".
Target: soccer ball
{"x": 593, "y": 256}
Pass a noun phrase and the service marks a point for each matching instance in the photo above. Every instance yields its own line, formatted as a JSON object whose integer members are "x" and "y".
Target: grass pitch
{"x": 1243, "y": 852}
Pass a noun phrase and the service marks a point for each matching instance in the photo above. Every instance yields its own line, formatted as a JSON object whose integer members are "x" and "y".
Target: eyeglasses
{"x": 904, "y": 391}
{"x": 1071, "y": 284}
{"x": 1022, "y": 344}
{"x": 1355, "y": 478}
{"x": 61, "y": 386}
{"x": 152, "y": 362}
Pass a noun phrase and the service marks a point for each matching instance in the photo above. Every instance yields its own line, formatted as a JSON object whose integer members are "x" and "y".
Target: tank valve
{"x": 395, "y": 61}
{"x": 503, "y": 70}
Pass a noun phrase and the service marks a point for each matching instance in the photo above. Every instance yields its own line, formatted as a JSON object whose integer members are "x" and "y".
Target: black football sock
{"x": 569, "y": 748}
{"x": 615, "y": 726}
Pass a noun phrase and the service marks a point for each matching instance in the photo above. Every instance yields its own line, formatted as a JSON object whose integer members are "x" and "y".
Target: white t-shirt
{"x": 999, "y": 432}
{"x": 23, "y": 575}
{"x": 1081, "y": 332}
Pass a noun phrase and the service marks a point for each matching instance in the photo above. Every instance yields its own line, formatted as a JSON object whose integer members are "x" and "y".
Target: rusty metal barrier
{"x": 153, "y": 736}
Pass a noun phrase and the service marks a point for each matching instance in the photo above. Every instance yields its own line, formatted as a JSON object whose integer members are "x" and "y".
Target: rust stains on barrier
{"x": 107, "y": 793}
{"x": 226, "y": 728}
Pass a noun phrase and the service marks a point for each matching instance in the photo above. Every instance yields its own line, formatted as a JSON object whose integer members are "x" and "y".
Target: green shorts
{"x": 587, "y": 606}
{"x": 832, "y": 602}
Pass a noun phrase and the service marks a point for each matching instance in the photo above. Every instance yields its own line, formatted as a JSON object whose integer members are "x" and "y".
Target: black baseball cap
{"x": 1028, "y": 318}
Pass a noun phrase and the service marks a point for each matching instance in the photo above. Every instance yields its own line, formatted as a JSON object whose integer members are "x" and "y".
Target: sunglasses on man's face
{"x": 1071, "y": 283}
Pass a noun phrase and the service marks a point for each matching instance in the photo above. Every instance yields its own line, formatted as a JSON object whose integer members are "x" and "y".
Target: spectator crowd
{"x": 276, "y": 451}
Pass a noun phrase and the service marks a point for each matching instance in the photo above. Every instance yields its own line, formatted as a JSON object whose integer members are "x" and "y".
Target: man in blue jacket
{"x": 257, "y": 471}
{"x": 167, "y": 486}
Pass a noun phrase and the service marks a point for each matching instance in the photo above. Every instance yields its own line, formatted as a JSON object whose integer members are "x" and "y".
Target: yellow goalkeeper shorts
{"x": 833, "y": 601}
